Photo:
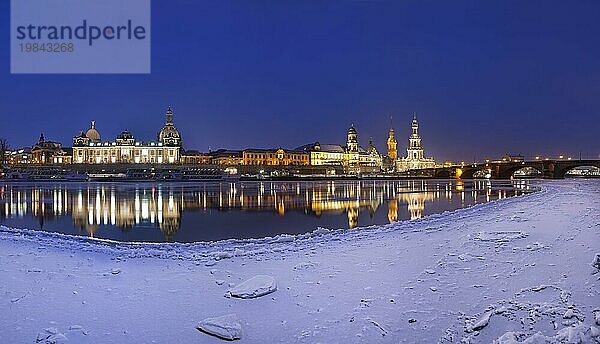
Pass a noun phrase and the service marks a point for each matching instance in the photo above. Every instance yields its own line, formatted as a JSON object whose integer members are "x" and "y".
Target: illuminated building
{"x": 43, "y": 150}
{"x": 195, "y": 157}
{"x": 372, "y": 157}
{"x": 89, "y": 149}
{"x": 414, "y": 152}
{"x": 274, "y": 157}
{"x": 392, "y": 145}
{"x": 227, "y": 157}
{"x": 19, "y": 156}
{"x": 513, "y": 158}
{"x": 350, "y": 156}
{"x": 63, "y": 156}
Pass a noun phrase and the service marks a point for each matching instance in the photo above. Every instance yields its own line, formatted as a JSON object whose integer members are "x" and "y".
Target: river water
{"x": 190, "y": 212}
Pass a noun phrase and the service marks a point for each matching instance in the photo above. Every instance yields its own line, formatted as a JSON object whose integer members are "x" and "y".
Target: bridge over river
{"x": 553, "y": 169}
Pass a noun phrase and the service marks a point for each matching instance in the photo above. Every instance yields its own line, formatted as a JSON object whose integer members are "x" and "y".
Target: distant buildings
{"x": 414, "y": 158}
{"x": 89, "y": 149}
{"x": 351, "y": 156}
{"x": 43, "y": 150}
{"x": 274, "y": 157}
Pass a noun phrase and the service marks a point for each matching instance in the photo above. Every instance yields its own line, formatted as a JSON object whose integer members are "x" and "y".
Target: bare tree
{"x": 3, "y": 150}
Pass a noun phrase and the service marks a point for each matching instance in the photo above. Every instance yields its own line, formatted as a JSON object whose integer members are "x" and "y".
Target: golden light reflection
{"x": 92, "y": 207}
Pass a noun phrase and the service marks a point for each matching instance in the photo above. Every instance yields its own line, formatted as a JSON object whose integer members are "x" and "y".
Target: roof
{"x": 226, "y": 153}
{"x": 272, "y": 150}
{"x": 125, "y": 135}
{"x": 193, "y": 152}
{"x": 324, "y": 147}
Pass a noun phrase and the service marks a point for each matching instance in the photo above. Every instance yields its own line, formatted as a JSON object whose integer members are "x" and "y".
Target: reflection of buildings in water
{"x": 393, "y": 210}
{"x": 90, "y": 208}
{"x": 352, "y": 217}
{"x": 20, "y": 203}
{"x": 347, "y": 198}
{"x": 415, "y": 202}
{"x": 350, "y": 207}
{"x": 162, "y": 206}
{"x": 105, "y": 206}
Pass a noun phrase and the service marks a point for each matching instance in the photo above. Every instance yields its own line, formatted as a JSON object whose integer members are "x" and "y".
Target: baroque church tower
{"x": 415, "y": 150}
{"x": 352, "y": 143}
{"x": 415, "y": 158}
{"x": 392, "y": 145}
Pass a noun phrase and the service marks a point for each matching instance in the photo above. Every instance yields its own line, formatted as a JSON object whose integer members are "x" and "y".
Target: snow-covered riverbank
{"x": 498, "y": 271}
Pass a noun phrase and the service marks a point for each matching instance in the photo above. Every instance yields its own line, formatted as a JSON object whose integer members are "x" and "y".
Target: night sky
{"x": 485, "y": 78}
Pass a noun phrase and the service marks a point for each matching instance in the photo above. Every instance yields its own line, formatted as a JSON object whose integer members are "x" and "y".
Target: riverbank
{"x": 518, "y": 265}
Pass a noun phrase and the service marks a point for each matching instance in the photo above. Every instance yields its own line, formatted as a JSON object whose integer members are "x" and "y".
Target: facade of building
{"x": 350, "y": 156}
{"x": 88, "y": 148}
{"x": 43, "y": 151}
{"x": 195, "y": 157}
{"x": 275, "y": 157}
{"x": 63, "y": 156}
{"x": 227, "y": 157}
{"x": 21, "y": 156}
{"x": 414, "y": 158}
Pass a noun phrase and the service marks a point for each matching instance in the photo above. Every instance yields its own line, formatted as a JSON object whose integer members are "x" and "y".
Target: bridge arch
{"x": 443, "y": 174}
{"x": 562, "y": 167}
{"x": 507, "y": 171}
{"x": 568, "y": 173}
{"x": 476, "y": 172}
{"x": 528, "y": 171}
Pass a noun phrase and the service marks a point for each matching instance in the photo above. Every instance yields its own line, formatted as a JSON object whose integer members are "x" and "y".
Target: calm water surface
{"x": 188, "y": 212}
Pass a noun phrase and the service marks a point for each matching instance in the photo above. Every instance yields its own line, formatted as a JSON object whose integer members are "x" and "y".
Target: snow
{"x": 255, "y": 287}
{"x": 511, "y": 271}
{"x": 225, "y": 327}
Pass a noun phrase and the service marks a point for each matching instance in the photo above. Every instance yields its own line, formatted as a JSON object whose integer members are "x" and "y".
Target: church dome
{"x": 92, "y": 133}
{"x": 169, "y": 132}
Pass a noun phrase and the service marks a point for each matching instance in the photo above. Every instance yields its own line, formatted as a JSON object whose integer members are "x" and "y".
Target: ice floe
{"x": 256, "y": 286}
{"x": 225, "y": 327}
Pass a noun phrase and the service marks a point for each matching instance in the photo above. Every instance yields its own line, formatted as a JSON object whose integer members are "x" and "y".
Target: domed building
{"x": 169, "y": 135}
{"x": 91, "y": 136}
{"x": 88, "y": 148}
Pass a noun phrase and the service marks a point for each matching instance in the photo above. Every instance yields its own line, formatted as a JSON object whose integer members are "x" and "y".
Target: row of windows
{"x": 136, "y": 152}
{"x": 276, "y": 162}
{"x": 275, "y": 155}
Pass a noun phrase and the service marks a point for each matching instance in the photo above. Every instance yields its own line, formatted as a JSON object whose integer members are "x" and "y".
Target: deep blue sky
{"x": 485, "y": 77}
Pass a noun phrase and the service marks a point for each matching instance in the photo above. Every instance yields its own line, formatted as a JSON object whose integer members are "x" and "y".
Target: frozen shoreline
{"x": 471, "y": 274}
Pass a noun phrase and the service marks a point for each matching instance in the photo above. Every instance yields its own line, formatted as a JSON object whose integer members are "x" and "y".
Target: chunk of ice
{"x": 225, "y": 327}
{"x": 258, "y": 285}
